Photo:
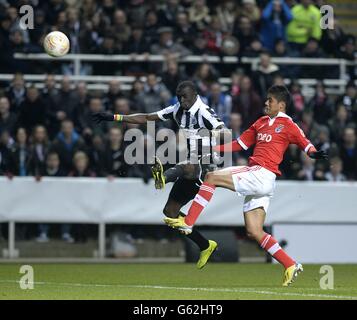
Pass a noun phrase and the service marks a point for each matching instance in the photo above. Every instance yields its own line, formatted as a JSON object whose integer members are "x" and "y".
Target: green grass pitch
{"x": 173, "y": 281}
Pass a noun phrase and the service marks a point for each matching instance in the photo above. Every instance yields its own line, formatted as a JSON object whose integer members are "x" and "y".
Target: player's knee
{"x": 209, "y": 178}
{"x": 253, "y": 233}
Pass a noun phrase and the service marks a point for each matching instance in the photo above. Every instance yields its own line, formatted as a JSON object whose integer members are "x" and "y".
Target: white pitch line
{"x": 263, "y": 292}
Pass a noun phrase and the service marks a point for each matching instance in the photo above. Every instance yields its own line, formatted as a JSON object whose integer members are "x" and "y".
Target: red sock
{"x": 269, "y": 244}
{"x": 199, "y": 203}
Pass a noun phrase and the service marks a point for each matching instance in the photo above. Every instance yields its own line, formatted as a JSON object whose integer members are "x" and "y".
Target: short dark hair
{"x": 186, "y": 84}
{"x": 281, "y": 94}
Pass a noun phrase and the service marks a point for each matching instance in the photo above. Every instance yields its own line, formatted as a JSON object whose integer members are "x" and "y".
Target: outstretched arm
{"x": 246, "y": 140}
{"x": 138, "y": 118}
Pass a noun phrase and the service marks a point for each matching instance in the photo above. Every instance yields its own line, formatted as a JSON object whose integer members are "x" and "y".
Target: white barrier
{"x": 130, "y": 201}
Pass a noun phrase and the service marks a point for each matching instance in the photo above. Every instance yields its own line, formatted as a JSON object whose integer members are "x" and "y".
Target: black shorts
{"x": 184, "y": 190}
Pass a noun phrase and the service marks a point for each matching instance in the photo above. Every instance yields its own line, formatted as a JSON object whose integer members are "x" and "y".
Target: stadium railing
{"x": 98, "y": 82}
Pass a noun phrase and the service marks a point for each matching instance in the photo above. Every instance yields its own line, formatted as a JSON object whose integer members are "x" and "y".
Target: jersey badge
{"x": 279, "y": 128}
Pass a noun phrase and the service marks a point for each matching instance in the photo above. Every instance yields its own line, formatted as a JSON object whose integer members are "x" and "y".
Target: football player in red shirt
{"x": 271, "y": 135}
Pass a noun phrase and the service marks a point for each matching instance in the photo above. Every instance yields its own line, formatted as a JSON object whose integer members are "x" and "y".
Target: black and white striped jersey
{"x": 190, "y": 121}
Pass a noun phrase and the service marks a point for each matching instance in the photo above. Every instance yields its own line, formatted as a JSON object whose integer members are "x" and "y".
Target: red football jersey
{"x": 271, "y": 138}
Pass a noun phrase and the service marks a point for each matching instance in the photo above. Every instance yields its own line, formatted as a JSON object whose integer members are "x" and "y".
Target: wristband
{"x": 118, "y": 117}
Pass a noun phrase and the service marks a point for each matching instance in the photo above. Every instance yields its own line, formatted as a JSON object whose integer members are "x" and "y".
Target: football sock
{"x": 201, "y": 200}
{"x": 269, "y": 244}
{"x": 197, "y": 238}
{"x": 173, "y": 173}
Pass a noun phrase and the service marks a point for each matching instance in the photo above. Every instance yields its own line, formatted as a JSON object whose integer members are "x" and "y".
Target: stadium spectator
{"x": 16, "y": 92}
{"x": 114, "y": 164}
{"x": 172, "y": 76}
{"x": 349, "y": 52}
{"x": 167, "y": 14}
{"x": 304, "y": 25}
{"x": 348, "y": 153}
{"x": 199, "y": 14}
{"x": 66, "y": 100}
{"x": 244, "y": 31}
{"x": 167, "y": 45}
{"x": 137, "y": 42}
{"x": 263, "y": 77}
{"x": 82, "y": 101}
{"x": 96, "y": 155}
{"x": 248, "y": 103}
{"x": 155, "y": 95}
{"x": 335, "y": 173}
{"x": 151, "y": 27}
{"x": 33, "y": 110}
{"x": 213, "y": 36}
{"x": 8, "y": 120}
{"x": 120, "y": 28}
{"x": 226, "y": 12}
{"x": 250, "y": 10}
{"x": 254, "y": 49}
{"x": 333, "y": 39}
{"x": 6, "y": 143}
{"x": 308, "y": 171}
{"x": 136, "y": 93}
{"x": 312, "y": 50}
{"x": 114, "y": 92}
{"x": 67, "y": 142}
{"x": 49, "y": 94}
{"x": 220, "y": 102}
{"x": 291, "y": 165}
{"x": 308, "y": 125}
{"x": 81, "y": 166}
{"x": 235, "y": 124}
{"x": 39, "y": 149}
{"x": 204, "y": 76}
{"x": 235, "y": 83}
{"x": 298, "y": 100}
{"x": 338, "y": 123}
{"x": 349, "y": 99}
{"x": 19, "y": 163}
{"x": 275, "y": 17}
{"x": 321, "y": 104}
{"x": 184, "y": 32}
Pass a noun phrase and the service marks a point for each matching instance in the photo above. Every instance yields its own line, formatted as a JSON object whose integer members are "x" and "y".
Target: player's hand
{"x": 102, "y": 116}
{"x": 321, "y": 154}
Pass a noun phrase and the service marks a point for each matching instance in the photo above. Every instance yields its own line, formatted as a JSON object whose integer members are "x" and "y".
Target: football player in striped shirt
{"x": 191, "y": 115}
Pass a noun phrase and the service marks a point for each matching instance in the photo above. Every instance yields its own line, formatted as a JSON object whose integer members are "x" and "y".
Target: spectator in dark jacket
{"x": 115, "y": 165}
{"x": 67, "y": 143}
{"x": 39, "y": 148}
{"x": 8, "y": 120}
{"x": 33, "y": 111}
{"x": 20, "y": 155}
{"x": 348, "y": 153}
{"x": 248, "y": 103}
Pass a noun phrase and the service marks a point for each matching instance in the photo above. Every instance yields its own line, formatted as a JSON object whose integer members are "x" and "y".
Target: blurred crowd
{"x": 284, "y": 28}
{"x": 47, "y": 131}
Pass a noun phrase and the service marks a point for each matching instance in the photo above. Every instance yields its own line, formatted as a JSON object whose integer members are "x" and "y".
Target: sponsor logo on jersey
{"x": 264, "y": 137}
{"x": 279, "y": 128}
